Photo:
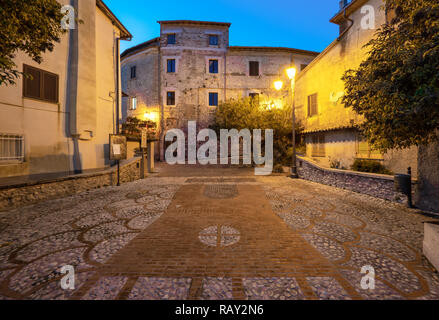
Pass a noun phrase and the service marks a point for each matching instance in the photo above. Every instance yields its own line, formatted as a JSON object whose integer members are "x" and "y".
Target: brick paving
{"x": 215, "y": 233}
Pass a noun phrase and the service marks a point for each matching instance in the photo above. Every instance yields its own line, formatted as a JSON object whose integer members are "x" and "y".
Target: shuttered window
{"x": 312, "y": 105}
{"x": 171, "y": 38}
{"x": 170, "y": 98}
{"x": 40, "y": 84}
{"x": 213, "y": 66}
{"x": 254, "y": 68}
{"x": 213, "y": 40}
{"x": 133, "y": 72}
{"x": 171, "y": 66}
{"x": 213, "y": 99}
{"x": 318, "y": 145}
{"x": 365, "y": 151}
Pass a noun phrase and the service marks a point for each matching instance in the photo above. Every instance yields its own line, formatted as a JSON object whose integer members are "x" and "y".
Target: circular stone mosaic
{"x": 222, "y": 236}
{"x": 218, "y": 191}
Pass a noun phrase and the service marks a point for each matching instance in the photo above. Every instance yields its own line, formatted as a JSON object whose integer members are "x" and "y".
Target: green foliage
{"x": 249, "y": 114}
{"x": 396, "y": 88}
{"x": 133, "y": 127}
{"x": 370, "y": 166}
{"x": 29, "y": 26}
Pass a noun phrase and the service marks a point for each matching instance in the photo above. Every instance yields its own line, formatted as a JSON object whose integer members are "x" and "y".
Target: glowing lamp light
{"x": 150, "y": 116}
{"x": 291, "y": 72}
{"x": 278, "y": 85}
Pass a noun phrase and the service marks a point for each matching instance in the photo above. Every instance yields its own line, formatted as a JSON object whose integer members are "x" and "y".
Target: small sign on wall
{"x": 118, "y": 147}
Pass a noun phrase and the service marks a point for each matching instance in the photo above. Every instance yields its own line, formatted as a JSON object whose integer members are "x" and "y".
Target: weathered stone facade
{"x": 192, "y": 80}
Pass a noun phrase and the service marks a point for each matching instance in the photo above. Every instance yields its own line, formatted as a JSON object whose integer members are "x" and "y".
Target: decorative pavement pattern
{"x": 215, "y": 238}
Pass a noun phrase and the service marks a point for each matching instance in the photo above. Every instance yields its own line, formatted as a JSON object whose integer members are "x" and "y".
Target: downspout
{"x": 348, "y": 28}
{"x": 225, "y": 75}
{"x": 117, "y": 85}
{"x": 72, "y": 94}
{"x": 162, "y": 108}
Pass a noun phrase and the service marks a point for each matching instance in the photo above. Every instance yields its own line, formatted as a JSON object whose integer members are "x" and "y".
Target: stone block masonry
{"x": 375, "y": 185}
{"x": 29, "y": 193}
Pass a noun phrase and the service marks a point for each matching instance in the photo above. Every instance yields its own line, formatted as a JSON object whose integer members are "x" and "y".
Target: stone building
{"x": 330, "y": 128}
{"x": 186, "y": 72}
{"x": 59, "y": 120}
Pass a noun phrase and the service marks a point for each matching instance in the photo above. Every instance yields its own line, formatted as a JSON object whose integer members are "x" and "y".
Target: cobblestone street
{"x": 212, "y": 233}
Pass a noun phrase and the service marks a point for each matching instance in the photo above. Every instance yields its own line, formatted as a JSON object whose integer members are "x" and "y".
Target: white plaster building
{"x": 59, "y": 121}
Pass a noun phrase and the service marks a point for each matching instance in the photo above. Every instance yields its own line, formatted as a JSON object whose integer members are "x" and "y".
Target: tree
{"x": 30, "y": 26}
{"x": 396, "y": 88}
{"x": 249, "y": 114}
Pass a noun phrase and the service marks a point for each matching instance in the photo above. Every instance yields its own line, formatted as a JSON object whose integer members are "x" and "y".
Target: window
{"x": 133, "y": 72}
{"x": 364, "y": 151}
{"x": 254, "y": 97}
{"x": 133, "y": 103}
{"x": 171, "y": 38}
{"x": 171, "y": 65}
{"x": 213, "y": 99}
{"x": 40, "y": 84}
{"x": 170, "y": 98}
{"x": 312, "y": 105}
{"x": 254, "y": 68}
{"x": 213, "y": 66}
{"x": 11, "y": 148}
{"x": 213, "y": 40}
{"x": 318, "y": 145}
{"x": 303, "y": 66}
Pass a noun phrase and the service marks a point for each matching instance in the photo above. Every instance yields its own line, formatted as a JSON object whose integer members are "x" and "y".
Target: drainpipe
{"x": 348, "y": 28}
{"x": 117, "y": 85}
{"x": 162, "y": 108}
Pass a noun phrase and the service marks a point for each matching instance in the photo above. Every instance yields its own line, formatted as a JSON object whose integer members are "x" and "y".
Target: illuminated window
{"x": 133, "y": 103}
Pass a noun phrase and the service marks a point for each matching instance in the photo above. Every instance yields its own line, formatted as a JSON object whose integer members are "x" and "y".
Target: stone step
{"x": 431, "y": 243}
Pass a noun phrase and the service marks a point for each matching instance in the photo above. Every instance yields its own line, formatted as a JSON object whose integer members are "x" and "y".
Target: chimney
{"x": 343, "y": 3}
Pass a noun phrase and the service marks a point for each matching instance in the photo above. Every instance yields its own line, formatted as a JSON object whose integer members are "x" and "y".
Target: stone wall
{"x": 428, "y": 193}
{"x": 375, "y": 185}
{"x": 25, "y": 194}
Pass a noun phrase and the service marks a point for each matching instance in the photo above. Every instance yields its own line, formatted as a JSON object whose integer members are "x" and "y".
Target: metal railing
{"x": 11, "y": 147}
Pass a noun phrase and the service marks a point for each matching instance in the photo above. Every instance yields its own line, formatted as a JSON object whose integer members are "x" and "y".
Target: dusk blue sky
{"x": 302, "y": 24}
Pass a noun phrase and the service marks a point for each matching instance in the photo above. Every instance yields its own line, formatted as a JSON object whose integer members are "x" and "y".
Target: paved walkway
{"x": 209, "y": 233}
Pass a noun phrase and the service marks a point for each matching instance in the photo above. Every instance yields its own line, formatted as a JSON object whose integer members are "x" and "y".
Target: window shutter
{"x": 32, "y": 83}
{"x": 254, "y": 68}
{"x": 50, "y": 87}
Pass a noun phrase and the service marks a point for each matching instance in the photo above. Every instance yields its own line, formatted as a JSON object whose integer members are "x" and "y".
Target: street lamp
{"x": 291, "y": 73}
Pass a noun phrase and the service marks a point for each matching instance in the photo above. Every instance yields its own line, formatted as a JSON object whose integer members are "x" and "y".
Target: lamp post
{"x": 291, "y": 72}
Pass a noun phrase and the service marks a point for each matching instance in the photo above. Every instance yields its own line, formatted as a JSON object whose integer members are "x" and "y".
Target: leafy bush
{"x": 132, "y": 129}
{"x": 249, "y": 114}
{"x": 370, "y": 166}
